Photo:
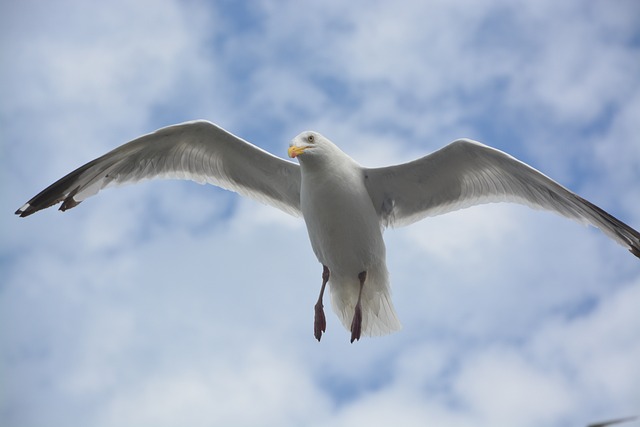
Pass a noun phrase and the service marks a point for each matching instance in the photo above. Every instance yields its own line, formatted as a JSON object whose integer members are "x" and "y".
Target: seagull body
{"x": 345, "y": 232}
{"x": 345, "y": 206}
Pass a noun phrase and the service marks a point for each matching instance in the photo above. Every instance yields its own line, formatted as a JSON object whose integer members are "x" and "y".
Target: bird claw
{"x": 356, "y": 324}
{"x": 319, "y": 322}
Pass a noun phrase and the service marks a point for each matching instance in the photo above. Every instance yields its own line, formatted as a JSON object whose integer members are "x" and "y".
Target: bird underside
{"x": 363, "y": 304}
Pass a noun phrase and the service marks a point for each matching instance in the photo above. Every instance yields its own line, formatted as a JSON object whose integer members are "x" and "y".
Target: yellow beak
{"x": 294, "y": 151}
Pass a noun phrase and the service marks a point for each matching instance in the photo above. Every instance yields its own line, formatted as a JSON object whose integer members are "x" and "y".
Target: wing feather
{"x": 199, "y": 151}
{"x": 466, "y": 173}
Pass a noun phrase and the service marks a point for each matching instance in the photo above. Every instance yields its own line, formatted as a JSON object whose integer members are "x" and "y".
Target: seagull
{"x": 612, "y": 422}
{"x": 345, "y": 206}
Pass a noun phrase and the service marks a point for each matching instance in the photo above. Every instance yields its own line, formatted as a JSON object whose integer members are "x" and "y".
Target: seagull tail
{"x": 378, "y": 313}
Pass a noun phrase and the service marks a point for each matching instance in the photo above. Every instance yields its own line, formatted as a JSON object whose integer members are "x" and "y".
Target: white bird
{"x": 345, "y": 206}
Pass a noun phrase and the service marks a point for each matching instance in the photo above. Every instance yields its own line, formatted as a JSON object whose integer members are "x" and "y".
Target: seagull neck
{"x": 333, "y": 171}
{"x": 321, "y": 164}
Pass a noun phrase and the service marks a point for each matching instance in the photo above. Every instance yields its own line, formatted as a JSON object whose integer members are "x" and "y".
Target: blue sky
{"x": 169, "y": 303}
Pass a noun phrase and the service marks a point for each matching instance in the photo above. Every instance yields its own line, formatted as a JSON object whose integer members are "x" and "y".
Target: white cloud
{"x": 502, "y": 388}
{"x": 258, "y": 386}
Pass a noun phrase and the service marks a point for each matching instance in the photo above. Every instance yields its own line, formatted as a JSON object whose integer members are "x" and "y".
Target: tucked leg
{"x": 320, "y": 322}
{"x": 356, "y": 324}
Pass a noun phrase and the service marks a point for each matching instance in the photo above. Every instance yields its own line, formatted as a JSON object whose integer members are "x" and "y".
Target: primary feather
{"x": 199, "y": 151}
{"x": 467, "y": 173}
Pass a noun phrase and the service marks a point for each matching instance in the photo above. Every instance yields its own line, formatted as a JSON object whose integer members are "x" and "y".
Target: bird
{"x": 612, "y": 422}
{"x": 346, "y": 206}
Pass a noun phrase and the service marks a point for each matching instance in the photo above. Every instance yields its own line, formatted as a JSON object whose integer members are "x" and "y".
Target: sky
{"x": 169, "y": 303}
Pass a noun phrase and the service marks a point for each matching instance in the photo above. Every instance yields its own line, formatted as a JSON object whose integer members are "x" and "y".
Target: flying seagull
{"x": 345, "y": 206}
{"x": 612, "y": 422}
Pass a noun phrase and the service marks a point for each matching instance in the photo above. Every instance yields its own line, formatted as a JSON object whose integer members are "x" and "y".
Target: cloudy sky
{"x": 173, "y": 304}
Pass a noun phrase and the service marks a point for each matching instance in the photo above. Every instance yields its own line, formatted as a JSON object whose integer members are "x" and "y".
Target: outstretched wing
{"x": 199, "y": 151}
{"x": 467, "y": 173}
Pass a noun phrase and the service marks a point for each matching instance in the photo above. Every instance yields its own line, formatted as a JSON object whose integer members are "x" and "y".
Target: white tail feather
{"x": 378, "y": 314}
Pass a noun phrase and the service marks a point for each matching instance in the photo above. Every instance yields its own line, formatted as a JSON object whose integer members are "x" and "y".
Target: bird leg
{"x": 356, "y": 324}
{"x": 319, "y": 321}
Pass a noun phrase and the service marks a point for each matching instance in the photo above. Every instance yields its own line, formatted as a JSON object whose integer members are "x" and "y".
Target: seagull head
{"x": 305, "y": 143}
{"x": 311, "y": 144}
{"x": 314, "y": 150}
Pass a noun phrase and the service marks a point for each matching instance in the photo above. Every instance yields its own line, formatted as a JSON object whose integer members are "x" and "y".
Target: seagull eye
{"x": 311, "y": 139}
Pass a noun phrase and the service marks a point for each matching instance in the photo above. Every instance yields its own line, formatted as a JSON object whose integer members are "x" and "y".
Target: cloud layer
{"x": 170, "y": 303}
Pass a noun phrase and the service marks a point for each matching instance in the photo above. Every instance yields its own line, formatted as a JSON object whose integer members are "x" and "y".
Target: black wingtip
{"x": 635, "y": 250}
{"x": 45, "y": 200}
{"x": 68, "y": 203}
{"x": 25, "y": 210}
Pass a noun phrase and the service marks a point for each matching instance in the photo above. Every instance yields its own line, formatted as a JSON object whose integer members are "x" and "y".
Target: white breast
{"x": 346, "y": 236}
{"x": 343, "y": 226}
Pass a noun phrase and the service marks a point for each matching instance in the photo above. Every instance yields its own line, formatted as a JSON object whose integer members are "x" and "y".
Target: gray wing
{"x": 198, "y": 151}
{"x": 467, "y": 173}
